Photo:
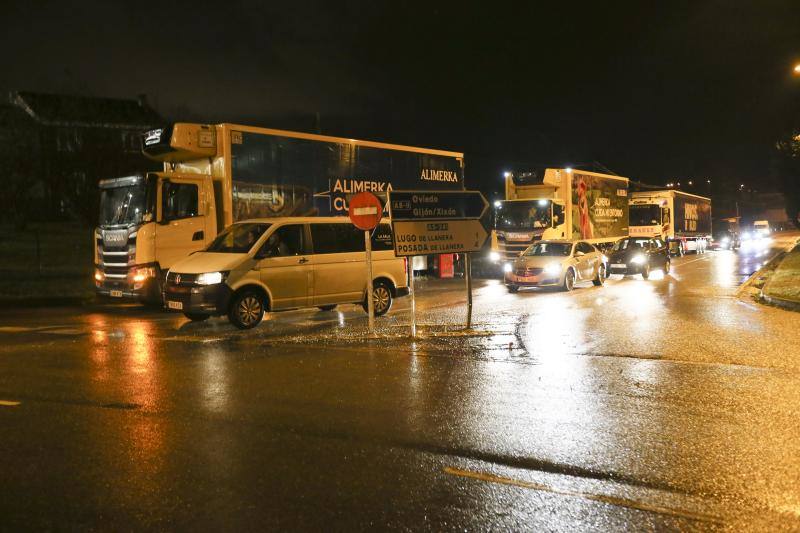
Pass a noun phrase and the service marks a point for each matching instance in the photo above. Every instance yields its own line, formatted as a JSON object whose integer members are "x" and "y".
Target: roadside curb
{"x": 789, "y": 305}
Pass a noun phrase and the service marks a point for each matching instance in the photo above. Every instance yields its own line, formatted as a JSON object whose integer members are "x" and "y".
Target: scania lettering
{"x": 215, "y": 175}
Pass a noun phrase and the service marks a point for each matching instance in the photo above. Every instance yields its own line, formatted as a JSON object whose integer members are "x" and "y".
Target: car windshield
{"x": 527, "y": 215}
{"x": 645, "y": 215}
{"x": 238, "y": 238}
{"x": 626, "y": 244}
{"x": 550, "y": 249}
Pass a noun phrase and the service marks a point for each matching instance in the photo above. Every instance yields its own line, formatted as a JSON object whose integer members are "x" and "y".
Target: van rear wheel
{"x": 381, "y": 298}
{"x": 247, "y": 309}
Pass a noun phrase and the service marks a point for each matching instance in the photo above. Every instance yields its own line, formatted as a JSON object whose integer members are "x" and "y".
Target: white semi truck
{"x": 559, "y": 203}
{"x": 215, "y": 175}
{"x": 680, "y": 218}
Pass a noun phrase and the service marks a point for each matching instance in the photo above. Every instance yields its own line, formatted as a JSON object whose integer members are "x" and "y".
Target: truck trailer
{"x": 679, "y": 218}
{"x": 560, "y": 203}
{"x": 215, "y": 175}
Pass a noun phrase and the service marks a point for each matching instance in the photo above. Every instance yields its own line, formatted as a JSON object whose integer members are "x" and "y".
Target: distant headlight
{"x": 552, "y": 268}
{"x": 494, "y": 256}
{"x": 507, "y": 267}
{"x": 638, "y": 259}
{"x": 746, "y": 236}
{"x": 725, "y": 240}
{"x": 210, "y": 278}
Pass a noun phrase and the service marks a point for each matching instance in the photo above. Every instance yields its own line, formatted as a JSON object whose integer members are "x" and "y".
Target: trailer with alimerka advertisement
{"x": 559, "y": 203}
{"x": 215, "y": 175}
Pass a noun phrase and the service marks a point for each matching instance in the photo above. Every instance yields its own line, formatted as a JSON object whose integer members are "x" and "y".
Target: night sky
{"x": 656, "y": 91}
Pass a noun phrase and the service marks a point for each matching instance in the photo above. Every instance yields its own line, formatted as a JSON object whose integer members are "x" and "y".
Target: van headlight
{"x": 552, "y": 269}
{"x": 494, "y": 256}
{"x": 211, "y": 278}
{"x": 638, "y": 259}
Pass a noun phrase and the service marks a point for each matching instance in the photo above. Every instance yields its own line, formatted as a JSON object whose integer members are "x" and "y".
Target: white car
{"x": 556, "y": 263}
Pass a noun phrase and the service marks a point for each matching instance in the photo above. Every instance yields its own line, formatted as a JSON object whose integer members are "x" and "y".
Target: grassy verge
{"x": 59, "y": 267}
{"x": 784, "y": 283}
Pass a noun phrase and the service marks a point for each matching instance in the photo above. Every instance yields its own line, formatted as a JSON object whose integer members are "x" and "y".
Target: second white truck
{"x": 680, "y": 218}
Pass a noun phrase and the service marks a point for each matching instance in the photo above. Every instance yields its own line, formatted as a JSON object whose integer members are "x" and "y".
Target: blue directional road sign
{"x": 437, "y": 205}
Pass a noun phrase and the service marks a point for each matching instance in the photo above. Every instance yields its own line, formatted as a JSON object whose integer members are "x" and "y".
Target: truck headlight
{"x": 507, "y": 268}
{"x": 141, "y": 274}
{"x": 99, "y": 276}
{"x": 494, "y": 256}
{"x": 210, "y": 278}
{"x": 552, "y": 269}
{"x": 638, "y": 259}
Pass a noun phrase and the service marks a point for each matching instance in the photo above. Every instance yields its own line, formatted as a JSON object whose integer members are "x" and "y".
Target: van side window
{"x": 336, "y": 238}
{"x": 284, "y": 242}
{"x": 179, "y": 200}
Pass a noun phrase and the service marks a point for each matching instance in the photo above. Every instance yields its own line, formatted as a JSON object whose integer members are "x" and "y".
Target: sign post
{"x": 365, "y": 212}
{"x": 439, "y": 222}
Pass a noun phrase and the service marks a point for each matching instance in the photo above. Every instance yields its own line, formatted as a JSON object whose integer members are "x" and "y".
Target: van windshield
{"x": 238, "y": 238}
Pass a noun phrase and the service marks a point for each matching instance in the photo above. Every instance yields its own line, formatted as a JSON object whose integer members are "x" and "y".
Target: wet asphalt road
{"x": 641, "y": 405}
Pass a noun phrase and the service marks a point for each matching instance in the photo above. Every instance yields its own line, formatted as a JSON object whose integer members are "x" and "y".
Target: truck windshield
{"x": 238, "y": 238}
{"x": 124, "y": 202}
{"x": 551, "y": 249}
{"x": 527, "y": 215}
{"x": 645, "y": 215}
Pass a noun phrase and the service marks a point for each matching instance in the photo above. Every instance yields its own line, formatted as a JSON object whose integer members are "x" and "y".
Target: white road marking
{"x": 689, "y": 262}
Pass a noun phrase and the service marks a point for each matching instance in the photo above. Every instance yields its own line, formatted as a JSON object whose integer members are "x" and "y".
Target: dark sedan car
{"x": 638, "y": 255}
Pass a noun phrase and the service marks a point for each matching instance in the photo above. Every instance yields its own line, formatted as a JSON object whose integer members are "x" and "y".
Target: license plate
{"x": 116, "y": 294}
{"x": 174, "y": 305}
{"x": 618, "y": 265}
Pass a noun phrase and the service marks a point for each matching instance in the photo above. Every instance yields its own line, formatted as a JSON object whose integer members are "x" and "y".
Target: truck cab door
{"x": 184, "y": 222}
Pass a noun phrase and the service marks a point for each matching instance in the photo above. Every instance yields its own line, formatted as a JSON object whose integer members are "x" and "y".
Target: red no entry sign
{"x": 365, "y": 210}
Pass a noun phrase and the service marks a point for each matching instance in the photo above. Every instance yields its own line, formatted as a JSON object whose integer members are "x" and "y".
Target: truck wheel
{"x": 381, "y": 299}
{"x": 601, "y": 275}
{"x": 569, "y": 280}
{"x": 646, "y": 271}
{"x": 247, "y": 309}
{"x": 512, "y": 288}
{"x": 327, "y": 307}
{"x": 196, "y": 317}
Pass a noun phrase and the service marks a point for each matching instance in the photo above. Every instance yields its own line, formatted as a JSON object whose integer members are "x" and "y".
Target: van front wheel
{"x": 381, "y": 298}
{"x": 247, "y": 309}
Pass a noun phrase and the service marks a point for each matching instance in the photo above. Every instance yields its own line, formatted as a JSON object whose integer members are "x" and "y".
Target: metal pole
{"x": 468, "y": 273}
{"x": 413, "y": 298}
{"x": 370, "y": 303}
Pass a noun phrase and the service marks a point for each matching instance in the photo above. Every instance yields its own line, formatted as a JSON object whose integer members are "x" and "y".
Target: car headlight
{"x": 494, "y": 256}
{"x": 210, "y": 278}
{"x": 638, "y": 259}
{"x": 507, "y": 267}
{"x": 552, "y": 269}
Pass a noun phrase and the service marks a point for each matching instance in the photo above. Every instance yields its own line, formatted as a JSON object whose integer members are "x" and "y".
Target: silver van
{"x": 277, "y": 264}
